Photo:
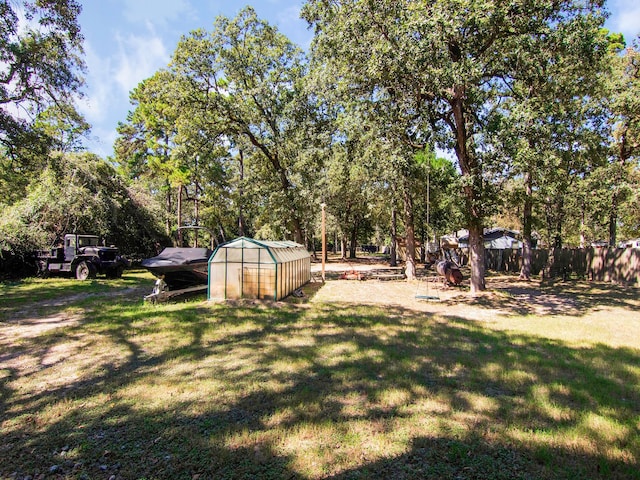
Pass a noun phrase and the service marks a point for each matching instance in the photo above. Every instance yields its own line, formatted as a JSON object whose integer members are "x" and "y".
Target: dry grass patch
{"x": 325, "y": 389}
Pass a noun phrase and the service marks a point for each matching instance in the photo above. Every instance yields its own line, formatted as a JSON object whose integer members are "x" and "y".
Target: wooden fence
{"x": 619, "y": 265}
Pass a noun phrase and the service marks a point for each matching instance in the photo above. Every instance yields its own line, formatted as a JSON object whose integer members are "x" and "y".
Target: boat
{"x": 180, "y": 267}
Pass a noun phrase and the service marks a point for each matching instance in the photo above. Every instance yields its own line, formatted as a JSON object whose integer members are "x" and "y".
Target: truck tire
{"x": 43, "y": 269}
{"x": 85, "y": 270}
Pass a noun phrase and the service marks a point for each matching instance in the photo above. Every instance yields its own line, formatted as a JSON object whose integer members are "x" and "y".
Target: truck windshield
{"x": 87, "y": 241}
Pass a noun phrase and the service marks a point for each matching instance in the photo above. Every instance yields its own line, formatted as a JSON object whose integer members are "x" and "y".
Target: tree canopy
{"x": 446, "y": 66}
{"x": 79, "y": 192}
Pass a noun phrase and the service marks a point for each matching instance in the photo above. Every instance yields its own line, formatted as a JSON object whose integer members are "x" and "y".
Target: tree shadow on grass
{"x": 294, "y": 386}
{"x": 33, "y": 297}
{"x": 512, "y": 296}
{"x": 472, "y": 458}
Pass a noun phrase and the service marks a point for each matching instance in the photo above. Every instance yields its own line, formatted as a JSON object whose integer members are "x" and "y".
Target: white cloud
{"x": 130, "y": 41}
{"x": 290, "y": 14}
{"x": 101, "y": 142}
{"x": 111, "y": 78}
{"x": 99, "y": 86}
{"x": 629, "y": 24}
{"x": 625, "y": 18}
{"x": 138, "y": 58}
{"x": 297, "y": 30}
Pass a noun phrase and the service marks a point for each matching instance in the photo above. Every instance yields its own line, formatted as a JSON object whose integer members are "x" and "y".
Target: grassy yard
{"x": 95, "y": 384}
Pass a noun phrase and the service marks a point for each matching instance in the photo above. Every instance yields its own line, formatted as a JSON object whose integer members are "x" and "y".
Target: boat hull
{"x": 179, "y": 267}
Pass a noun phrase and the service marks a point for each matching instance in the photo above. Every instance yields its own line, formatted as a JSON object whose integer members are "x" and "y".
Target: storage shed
{"x": 248, "y": 268}
{"x": 495, "y": 239}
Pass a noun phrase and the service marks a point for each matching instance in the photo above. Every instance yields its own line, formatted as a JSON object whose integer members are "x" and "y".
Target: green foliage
{"x": 228, "y": 126}
{"x": 42, "y": 68}
{"x": 63, "y": 126}
{"x": 78, "y": 193}
{"x": 249, "y": 80}
{"x": 438, "y": 73}
{"x": 168, "y": 145}
{"x": 436, "y": 192}
{"x": 615, "y": 40}
{"x": 625, "y": 87}
{"x": 242, "y": 134}
{"x": 609, "y": 197}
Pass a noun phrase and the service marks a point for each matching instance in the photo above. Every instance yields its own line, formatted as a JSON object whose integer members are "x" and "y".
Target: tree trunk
{"x": 393, "y": 260}
{"x": 180, "y": 241}
{"x": 297, "y": 231}
{"x": 476, "y": 258}
{"x": 354, "y": 242}
{"x": 314, "y": 248}
{"x": 168, "y": 209}
{"x": 625, "y": 151}
{"x": 583, "y": 240}
{"x": 472, "y": 190}
{"x": 615, "y": 200}
{"x": 425, "y": 245}
{"x": 557, "y": 239}
{"x": 525, "y": 272}
{"x": 241, "y": 226}
{"x": 196, "y": 216}
{"x": 285, "y": 184}
{"x": 613, "y": 220}
{"x": 343, "y": 247}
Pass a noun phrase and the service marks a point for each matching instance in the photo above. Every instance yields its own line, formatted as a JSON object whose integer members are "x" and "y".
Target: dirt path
{"x": 44, "y": 315}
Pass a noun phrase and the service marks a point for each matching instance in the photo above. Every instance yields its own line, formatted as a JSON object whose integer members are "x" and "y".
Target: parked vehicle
{"x": 180, "y": 270}
{"x": 180, "y": 267}
{"x": 83, "y": 257}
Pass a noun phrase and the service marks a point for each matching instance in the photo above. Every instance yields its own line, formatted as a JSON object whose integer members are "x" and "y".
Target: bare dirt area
{"x": 33, "y": 326}
{"x": 429, "y": 292}
{"x": 592, "y": 309}
{"x": 39, "y": 321}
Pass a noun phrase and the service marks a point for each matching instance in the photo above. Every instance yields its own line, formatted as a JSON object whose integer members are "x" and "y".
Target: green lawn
{"x": 105, "y": 386}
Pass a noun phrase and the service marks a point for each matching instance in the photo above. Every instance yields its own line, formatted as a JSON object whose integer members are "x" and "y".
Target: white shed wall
{"x": 246, "y": 268}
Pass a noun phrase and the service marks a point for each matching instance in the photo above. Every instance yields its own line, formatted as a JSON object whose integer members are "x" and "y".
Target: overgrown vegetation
{"x": 92, "y": 388}
{"x": 80, "y": 193}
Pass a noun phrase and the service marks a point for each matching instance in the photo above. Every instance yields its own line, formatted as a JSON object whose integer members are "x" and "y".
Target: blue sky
{"x": 127, "y": 41}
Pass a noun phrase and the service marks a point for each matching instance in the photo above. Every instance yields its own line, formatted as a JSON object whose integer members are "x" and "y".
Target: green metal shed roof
{"x": 279, "y": 251}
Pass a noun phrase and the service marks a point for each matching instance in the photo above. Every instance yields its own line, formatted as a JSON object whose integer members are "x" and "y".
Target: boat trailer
{"x": 161, "y": 292}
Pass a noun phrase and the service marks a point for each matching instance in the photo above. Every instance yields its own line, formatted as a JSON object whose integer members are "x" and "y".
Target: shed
{"x": 633, "y": 243}
{"x": 495, "y": 238}
{"x": 248, "y": 268}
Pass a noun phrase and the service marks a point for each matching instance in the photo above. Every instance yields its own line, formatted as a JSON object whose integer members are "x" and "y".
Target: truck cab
{"x": 73, "y": 243}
